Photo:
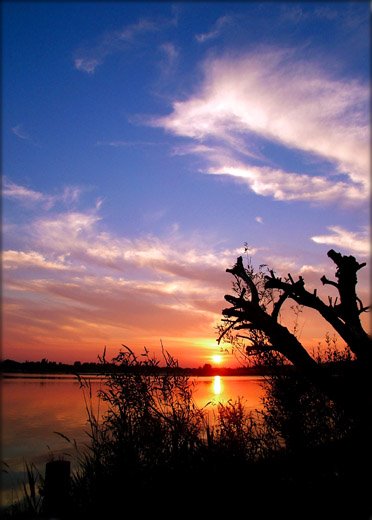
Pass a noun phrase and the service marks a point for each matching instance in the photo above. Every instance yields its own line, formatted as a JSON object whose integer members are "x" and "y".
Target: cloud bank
{"x": 77, "y": 286}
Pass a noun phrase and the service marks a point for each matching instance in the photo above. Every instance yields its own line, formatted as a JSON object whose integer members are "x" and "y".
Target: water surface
{"x": 34, "y": 407}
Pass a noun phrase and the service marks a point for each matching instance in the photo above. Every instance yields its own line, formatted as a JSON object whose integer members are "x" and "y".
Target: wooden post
{"x": 57, "y": 487}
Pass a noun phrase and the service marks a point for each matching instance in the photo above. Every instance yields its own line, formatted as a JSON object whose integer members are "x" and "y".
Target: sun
{"x": 217, "y": 358}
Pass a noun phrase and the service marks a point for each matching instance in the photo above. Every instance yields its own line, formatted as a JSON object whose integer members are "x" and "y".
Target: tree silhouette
{"x": 259, "y": 298}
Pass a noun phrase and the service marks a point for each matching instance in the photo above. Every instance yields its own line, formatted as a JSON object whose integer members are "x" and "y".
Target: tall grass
{"x": 154, "y": 439}
{"x": 27, "y": 503}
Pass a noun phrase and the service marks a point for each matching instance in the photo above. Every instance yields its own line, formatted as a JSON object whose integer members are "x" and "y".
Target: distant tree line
{"x": 53, "y": 367}
{"x": 46, "y": 366}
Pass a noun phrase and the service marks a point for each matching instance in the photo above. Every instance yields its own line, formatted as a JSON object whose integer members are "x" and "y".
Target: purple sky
{"x": 145, "y": 143}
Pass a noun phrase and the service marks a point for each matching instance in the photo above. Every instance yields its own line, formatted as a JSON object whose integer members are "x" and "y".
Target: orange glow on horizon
{"x": 44, "y": 335}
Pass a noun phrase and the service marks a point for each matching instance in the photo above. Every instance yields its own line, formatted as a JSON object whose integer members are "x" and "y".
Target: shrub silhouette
{"x": 153, "y": 439}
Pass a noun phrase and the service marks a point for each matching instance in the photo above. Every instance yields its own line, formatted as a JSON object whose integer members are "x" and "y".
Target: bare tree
{"x": 259, "y": 298}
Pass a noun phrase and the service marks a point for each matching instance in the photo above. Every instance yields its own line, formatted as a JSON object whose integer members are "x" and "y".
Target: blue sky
{"x": 145, "y": 143}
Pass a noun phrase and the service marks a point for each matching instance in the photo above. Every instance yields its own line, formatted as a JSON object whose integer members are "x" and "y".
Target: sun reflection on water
{"x": 217, "y": 385}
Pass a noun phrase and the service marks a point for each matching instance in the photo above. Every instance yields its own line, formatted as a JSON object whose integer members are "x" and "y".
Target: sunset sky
{"x": 145, "y": 143}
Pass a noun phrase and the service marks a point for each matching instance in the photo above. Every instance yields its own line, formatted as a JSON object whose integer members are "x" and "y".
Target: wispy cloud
{"x": 276, "y": 96}
{"x": 357, "y": 242}
{"x": 26, "y": 195}
{"x": 15, "y": 191}
{"x": 89, "y": 65}
{"x": 186, "y": 149}
{"x": 26, "y": 259}
{"x": 342, "y": 15}
{"x": 23, "y": 134}
{"x": 79, "y": 240}
{"x": 19, "y": 131}
{"x": 69, "y": 194}
{"x": 126, "y": 144}
{"x": 130, "y": 32}
{"x": 216, "y": 30}
{"x": 87, "y": 59}
{"x": 94, "y": 287}
{"x": 78, "y": 234}
{"x": 283, "y": 185}
{"x": 170, "y": 58}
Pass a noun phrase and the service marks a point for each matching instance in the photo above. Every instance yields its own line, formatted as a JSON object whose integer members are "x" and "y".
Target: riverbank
{"x": 10, "y": 366}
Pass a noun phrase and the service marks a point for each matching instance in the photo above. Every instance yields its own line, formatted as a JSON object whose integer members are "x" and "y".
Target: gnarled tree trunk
{"x": 255, "y": 311}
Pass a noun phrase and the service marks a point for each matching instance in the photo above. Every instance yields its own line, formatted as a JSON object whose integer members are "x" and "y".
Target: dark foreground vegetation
{"x": 306, "y": 454}
{"x": 302, "y": 455}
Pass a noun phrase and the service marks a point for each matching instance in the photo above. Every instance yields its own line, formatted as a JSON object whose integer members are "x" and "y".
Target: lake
{"x": 34, "y": 407}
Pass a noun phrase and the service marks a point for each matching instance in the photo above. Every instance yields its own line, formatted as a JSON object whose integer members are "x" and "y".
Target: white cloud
{"x": 88, "y": 59}
{"x": 307, "y": 268}
{"x": 70, "y": 194}
{"x": 80, "y": 237}
{"x": 64, "y": 231}
{"x": 170, "y": 50}
{"x": 87, "y": 65}
{"x": 125, "y": 144}
{"x": 15, "y": 191}
{"x": 21, "y": 133}
{"x": 185, "y": 149}
{"x": 282, "y": 263}
{"x": 352, "y": 241}
{"x": 171, "y": 53}
{"x": 275, "y": 95}
{"x": 259, "y": 219}
{"x": 217, "y": 29}
{"x": 25, "y": 259}
{"x": 282, "y": 185}
{"x": 131, "y": 31}
{"x": 99, "y": 203}
{"x": 11, "y": 190}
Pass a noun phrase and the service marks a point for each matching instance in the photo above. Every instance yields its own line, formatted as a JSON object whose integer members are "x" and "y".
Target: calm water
{"x": 35, "y": 407}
